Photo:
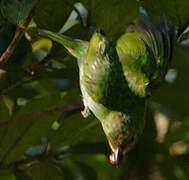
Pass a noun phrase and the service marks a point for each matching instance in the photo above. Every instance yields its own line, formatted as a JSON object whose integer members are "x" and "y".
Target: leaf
{"x": 4, "y": 112}
{"x": 99, "y": 163}
{"x": 87, "y": 171}
{"x": 15, "y": 11}
{"x": 44, "y": 171}
{"x": 174, "y": 101}
{"x": 48, "y": 102}
{"x": 112, "y": 16}
{"x": 176, "y": 10}
{"x": 7, "y": 175}
{"x": 30, "y": 125}
{"x": 9, "y": 104}
{"x": 52, "y": 14}
{"x": 75, "y": 129}
{"x": 32, "y": 134}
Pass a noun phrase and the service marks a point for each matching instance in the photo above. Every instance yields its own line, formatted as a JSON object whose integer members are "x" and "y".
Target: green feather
{"x": 76, "y": 47}
{"x": 115, "y": 80}
{"x": 145, "y": 51}
{"x": 133, "y": 55}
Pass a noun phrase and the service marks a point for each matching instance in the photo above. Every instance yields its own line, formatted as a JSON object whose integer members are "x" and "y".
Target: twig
{"x": 18, "y": 34}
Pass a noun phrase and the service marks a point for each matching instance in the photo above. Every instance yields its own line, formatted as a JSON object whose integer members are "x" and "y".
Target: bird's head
{"x": 121, "y": 135}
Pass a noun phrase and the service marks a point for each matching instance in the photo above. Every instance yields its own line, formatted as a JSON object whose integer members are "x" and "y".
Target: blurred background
{"x": 42, "y": 133}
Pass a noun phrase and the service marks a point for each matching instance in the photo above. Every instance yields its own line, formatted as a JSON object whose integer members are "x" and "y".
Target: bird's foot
{"x": 85, "y": 112}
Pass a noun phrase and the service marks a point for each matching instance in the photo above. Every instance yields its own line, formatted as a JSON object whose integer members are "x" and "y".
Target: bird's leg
{"x": 86, "y": 111}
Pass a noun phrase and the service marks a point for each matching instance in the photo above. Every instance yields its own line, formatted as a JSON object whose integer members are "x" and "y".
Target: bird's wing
{"x": 145, "y": 51}
{"x": 134, "y": 56}
{"x": 102, "y": 74}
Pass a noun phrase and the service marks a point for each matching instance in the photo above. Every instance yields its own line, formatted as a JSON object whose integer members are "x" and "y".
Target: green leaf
{"x": 15, "y": 11}
{"x": 99, "y": 163}
{"x": 44, "y": 171}
{"x": 87, "y": 171}
{"x": 7, "y": 175}
{"x": 32, "y": 135}
{"x": 112, "y": 16}
{"x": 9, "y": 102}
{"x": 30, "y": 125}
{"x": 174, "y": 101}
{"x": 75, "y": 129}
{"x": 48, "y": 102}
{"x": 4, "y": 112}
{"x": 52, "y": 14}
{"x": 176, "y": 10}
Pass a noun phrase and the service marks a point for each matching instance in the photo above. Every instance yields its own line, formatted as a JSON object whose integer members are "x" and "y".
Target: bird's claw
{"x": 85, "y": 112}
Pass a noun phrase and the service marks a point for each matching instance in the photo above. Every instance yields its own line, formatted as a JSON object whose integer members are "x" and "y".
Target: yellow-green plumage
{"x": 116, "y": 79}
{"x": 133, "y": 55}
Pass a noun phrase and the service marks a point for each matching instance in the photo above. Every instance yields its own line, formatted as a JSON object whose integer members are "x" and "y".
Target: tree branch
{"x": 18, "y": 34}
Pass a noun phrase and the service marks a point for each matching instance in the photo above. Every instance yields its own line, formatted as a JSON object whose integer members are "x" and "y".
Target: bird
{"x": 117, "y": 78}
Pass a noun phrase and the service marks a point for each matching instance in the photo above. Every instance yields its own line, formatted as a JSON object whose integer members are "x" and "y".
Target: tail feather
{"x": 75, "y": 46}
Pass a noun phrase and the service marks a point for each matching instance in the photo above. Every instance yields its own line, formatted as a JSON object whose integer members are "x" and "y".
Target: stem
{"x": 18, "y": 34}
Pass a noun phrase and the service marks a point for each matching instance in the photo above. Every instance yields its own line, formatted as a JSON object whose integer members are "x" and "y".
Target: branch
{"x": 18, "y": 34}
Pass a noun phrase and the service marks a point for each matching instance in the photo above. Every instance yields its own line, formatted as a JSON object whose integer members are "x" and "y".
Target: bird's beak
{"x": 116, "y": 157}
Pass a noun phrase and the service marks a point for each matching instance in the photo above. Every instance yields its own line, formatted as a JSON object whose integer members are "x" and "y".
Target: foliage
{"x": 42, "y": 134}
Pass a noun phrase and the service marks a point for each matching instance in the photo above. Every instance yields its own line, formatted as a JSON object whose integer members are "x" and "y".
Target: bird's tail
{"x": 165, "y": 32}
{"x": 76, "y": 47}
{"x": 160, "y": 34}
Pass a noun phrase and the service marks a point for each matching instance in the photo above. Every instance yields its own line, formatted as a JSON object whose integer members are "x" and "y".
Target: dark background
{"x": 42, "y": 133}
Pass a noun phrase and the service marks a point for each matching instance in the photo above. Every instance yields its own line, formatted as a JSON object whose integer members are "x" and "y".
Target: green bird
{"x": 117, "y": 78}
